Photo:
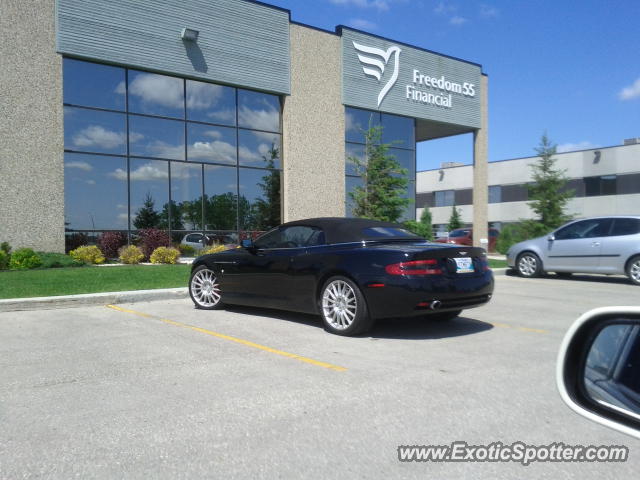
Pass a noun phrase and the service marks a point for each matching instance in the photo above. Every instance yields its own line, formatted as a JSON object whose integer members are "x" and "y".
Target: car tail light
{"x": 416, "y": 267}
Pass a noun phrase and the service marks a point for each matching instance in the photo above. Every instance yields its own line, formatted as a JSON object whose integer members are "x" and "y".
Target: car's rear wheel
{"x": 633, "y": 270}
{"x": 204, "y": 289}
{"x": 528, "y": 265}
{"x": 444, "y": 316}
{"x": 343, "y": 309}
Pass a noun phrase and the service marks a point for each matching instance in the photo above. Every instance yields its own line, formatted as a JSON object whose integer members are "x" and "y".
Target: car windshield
{"x": 459, "y": 233}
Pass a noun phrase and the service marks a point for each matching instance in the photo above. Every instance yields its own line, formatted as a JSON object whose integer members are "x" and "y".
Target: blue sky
{"x": 568, "y": 67}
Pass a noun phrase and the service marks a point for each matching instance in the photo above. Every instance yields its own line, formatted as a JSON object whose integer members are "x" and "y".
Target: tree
{"x": 267, "y": 210}
{"x": 147, "y": 217}
{"x": 548, "y": 193}
{"x": 424, "y": 227}
{"x": 382, "y": 195}
{"x": 454, "y": 220}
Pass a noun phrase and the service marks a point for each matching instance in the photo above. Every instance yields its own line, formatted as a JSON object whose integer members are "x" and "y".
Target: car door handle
{"x": 595, "y": 244}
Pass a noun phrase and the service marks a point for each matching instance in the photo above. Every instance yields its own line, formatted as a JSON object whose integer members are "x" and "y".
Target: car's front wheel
{"x": 343, "y": 309}
{"x": 528, "y": 265}
{"x": 633, "y": 270}
{"x": 204, "y": 289}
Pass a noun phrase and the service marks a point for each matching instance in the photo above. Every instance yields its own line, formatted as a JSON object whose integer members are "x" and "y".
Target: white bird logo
{"x": 369, "y": 57}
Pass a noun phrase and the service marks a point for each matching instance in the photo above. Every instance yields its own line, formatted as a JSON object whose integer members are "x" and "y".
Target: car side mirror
{"x": 551, "y": 238}
{"x": 598, "y": 370}
{"x": 247, "y": 243}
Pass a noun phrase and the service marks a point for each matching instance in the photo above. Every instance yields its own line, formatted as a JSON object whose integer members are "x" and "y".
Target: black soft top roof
{"x": 343, "y": 230}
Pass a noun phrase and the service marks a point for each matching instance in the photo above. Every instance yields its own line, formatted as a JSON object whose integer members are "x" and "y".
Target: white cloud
{"x": 631, "y": 92}
{"x": 572, "y": 147}
{"x": 444, "y": 8}
{"x": 96, "y": 135}
{"x": 457, "y": 20}
{"x": 120, "y": 206}
{"x": 165, "y": 150}
{"x": 259, "y": 119}
{"x": 223, "y": 116}
{"x": 201, "y": 96}
{"x": 135, "y": 136}
{"x": 488, "y": 11}
{"x": 215, "y": 151}
{"x": 362, "y": 24}
{"x": 381, "y": 5}
{"x": 157, "y": 89}
{"x": 91, "y": 182}
{"x": 123, "y": 216}
{"x": 249, "y": 156}
{"x": 215, "y": 134}
{"x": 79, "y": 165}
{"x": 147, "y": 172}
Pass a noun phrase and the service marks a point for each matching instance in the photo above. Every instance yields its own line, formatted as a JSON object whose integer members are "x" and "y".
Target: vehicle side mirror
{"x": 551, "y": 238}
{"x": 247, "y": 243}
{"x": 598, "y": 371}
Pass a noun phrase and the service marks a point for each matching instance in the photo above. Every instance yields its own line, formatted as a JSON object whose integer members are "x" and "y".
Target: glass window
{"x": 155, "y": 94}
{"x": 258, "y": 111}
{"x": 93, "y": 85}
{"x": 608, "y": 185}
{"x": 221, "y": 197}
{"x": 606, "y": 347}
{"x": 211, "y": 103}
{"x": 89, "y": 180}
{"x": 625, "y": 226}
{"x": 596, "y": 186}
{"x": 211, "y": 144}
{"x": 193, "y": 238}
{"x": 270, "y": 239}
{"x": 351, "y": 184}
{"x": 156, "y": 137}
{"x": 398, "y": 131}
{"x": 94, "y": 131}
{"x": 357, "y": 121}
{"x": 301, "y": 236}
{"x": 353, "y": 150}
{"x": 444, "y": 198}
{"x": 495, "y": 194}
{"x": 260, "y": 192}
{"x": 149, "y": 181}
{"x": 584, "y": 229}
{"x": 186, "y": 196}
{"x": 406, "y": 159}
{"x": 259, "y": 149}
{"x": 387, "y": 232}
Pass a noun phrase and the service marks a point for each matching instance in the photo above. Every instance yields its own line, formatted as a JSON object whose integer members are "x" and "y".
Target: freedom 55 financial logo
{"x": 424, "y": 89}
{"x": 372, "y": 66}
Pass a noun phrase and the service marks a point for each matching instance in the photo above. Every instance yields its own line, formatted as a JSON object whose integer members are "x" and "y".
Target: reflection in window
{"x": 350, "y": 186}
{"x": 149, "y": 193}
{"x": 89, "y": 180}
{"x": 444, "y": 198}
{"x": 156, "y": 137}
{"x": 93, "y": 85}
{"x": 259, "y": 149}
{"x": 211, "y": 103}
{"x": 398, "y": 131}
{"x": 259, "y": 203}
{"x": 406, "y": 159}
{"x": 596, "y": 186}
{"x": 357, "y": 121}
{"x": 258, "y": 111}
{"x": 353, "y": 150}
{"x": 94, "y": 131}
{"x": 495, "y": 194}
{"x": 155, "y": 94}
{"x": 221, "y": 198}
{"x": 186, "y": 196}
{"x": 211, "y": 144}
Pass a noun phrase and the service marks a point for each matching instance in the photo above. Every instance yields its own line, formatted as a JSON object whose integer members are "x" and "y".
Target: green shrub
{"x": 518, "y": 232}
{"x": 165, "y": 255}
{"x": 87, "y": 254}
{"x": 418, "y": 228}
{"x": 24, "y": 259}
{"x": 187, "y": 250}
{"x": 5, "y": 247}
{"x": 213, "y": 249}
{"x": 131, "y": 255}
{"x": 4, "y": 260}
{"x": 58, "y": 260}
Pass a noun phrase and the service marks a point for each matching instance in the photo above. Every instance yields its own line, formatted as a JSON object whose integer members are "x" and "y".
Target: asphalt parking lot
{"x": 160, "y": 390}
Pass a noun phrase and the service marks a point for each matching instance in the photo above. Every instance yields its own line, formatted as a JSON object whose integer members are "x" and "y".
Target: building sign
{"x": 399, "y": 79}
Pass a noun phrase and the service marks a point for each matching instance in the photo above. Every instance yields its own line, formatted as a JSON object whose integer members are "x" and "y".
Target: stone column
{"x": 480, "y": 170}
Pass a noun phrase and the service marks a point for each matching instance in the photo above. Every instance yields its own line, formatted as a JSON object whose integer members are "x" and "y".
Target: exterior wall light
{"x": 189, "y": 35}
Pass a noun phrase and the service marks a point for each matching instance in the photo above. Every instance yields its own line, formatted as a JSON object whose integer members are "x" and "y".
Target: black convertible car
{"x": 350, "y": 271}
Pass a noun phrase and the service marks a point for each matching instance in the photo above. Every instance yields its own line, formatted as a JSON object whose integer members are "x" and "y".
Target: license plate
{"x": 464, "y": 265}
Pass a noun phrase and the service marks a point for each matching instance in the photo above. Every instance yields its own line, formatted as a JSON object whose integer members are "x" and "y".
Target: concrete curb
{"x": 82, "y": 300}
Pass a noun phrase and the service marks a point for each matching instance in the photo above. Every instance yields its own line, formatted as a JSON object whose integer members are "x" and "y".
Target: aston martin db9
{"x": 350, "y": 271}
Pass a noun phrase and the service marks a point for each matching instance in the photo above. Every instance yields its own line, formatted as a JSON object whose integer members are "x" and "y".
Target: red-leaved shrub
{"x": 110, "y": 242}
{"x": 152, "y": 238}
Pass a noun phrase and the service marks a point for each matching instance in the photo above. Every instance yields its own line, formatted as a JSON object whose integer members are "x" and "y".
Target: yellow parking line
{"x": 515, "y": 327}
{"x": 246, "y": 343}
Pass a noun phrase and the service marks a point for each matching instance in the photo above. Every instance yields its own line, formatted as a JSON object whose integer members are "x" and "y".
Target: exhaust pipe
{"x": 435, "y": 305}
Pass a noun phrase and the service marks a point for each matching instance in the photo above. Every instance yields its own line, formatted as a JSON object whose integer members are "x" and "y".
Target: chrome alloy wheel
{"x": 634, "y": 270}
{"x": 339, "y": 304}
{"x": 528, "y": 265}
{"x": 205, "y": 288}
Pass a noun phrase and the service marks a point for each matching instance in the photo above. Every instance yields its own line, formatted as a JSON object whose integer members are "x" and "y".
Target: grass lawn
{"x": 68, "y": 281}
{"x": 497, "y": 263}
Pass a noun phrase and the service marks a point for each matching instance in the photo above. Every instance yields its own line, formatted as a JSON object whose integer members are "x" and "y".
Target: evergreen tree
{"x": 548, "y": 193}
{"x": 267, "y": 210}
{"x": 147, "y": 217}
{"x": 426, "y": 221}
{"x": 454, "y": 219}
{"x": 382, "y": 195}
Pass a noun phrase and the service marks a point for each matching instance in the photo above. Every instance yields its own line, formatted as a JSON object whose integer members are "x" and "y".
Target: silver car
{"x": 608, "y": 245}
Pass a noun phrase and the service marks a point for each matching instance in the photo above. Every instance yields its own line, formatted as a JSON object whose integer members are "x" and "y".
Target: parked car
{"x": 350, "y": 271}
{"x": 464, "y": 236}
{"x": 200, "y": 241}
{"x": 608, "y": 245}
{"x": 195, "y": 240}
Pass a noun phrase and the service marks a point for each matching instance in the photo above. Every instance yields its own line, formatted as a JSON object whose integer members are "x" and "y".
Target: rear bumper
{"x": 408, "y": 297}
